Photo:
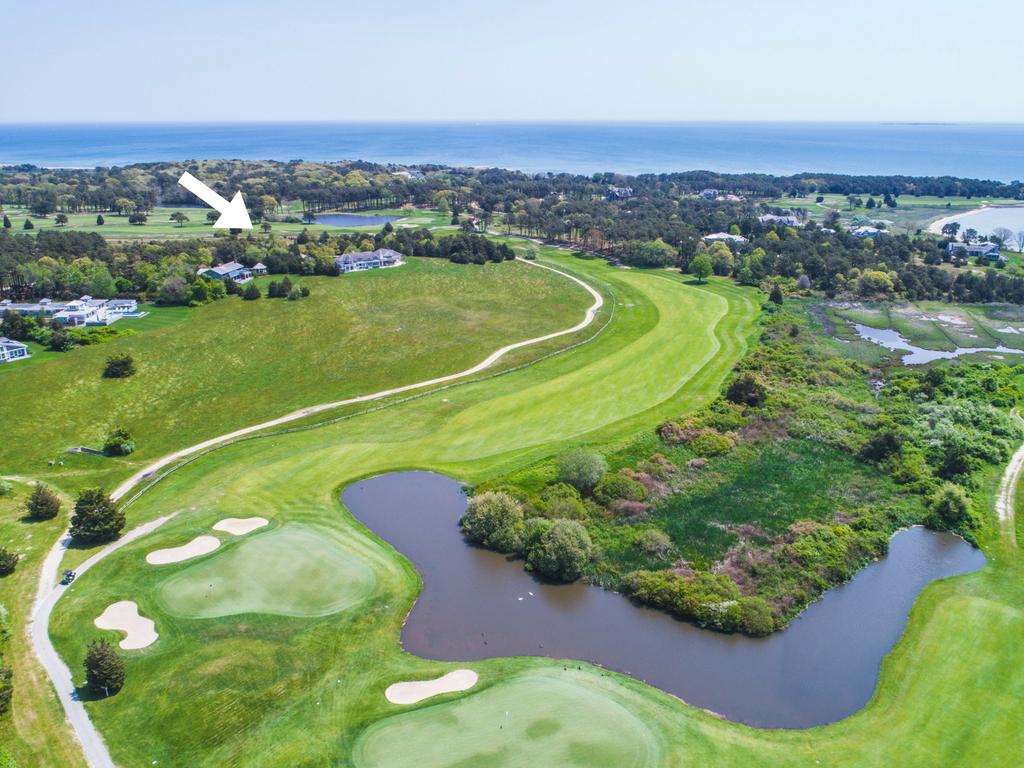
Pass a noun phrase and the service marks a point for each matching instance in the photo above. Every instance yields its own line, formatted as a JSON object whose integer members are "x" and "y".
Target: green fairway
{"x": 522, "y": 721}
{"x": 159, "y": 224}
{"x": 208, "y": 370}
{"x": 291, "y": 571}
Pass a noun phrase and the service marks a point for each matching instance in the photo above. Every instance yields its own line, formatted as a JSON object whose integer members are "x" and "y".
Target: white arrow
{"x": 233, "y": 215}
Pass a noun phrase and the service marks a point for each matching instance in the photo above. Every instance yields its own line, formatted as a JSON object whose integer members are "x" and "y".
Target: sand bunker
{"x": 124, "y": 617}
{"x": 418, "y": 690}
{"x": 239, "y": 526}
{"x": 200, "y": 545}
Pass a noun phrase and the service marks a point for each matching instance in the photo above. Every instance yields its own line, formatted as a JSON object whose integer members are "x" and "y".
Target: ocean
{"x": 987, "y": 151}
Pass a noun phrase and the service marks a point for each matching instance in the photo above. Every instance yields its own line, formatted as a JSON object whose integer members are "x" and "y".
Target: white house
{"x": 12, "y": 350}
{"x": 864, "y": 232}
{"x": 80, "y": 312}
{"x": 360, "y": 261}
{"x": 724, "y": 236}
{"x": 259, "y": 268}
{"x": 229, "y": 271}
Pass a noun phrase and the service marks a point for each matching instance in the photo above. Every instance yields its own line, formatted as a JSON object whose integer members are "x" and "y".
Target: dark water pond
{"x": 353, "y": 220}
{"x": 894, "y": 341}
{"x": 478, "y": 604}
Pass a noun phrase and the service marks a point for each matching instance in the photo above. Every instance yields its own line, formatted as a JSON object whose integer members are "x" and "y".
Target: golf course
{"x": 276, "y": 647}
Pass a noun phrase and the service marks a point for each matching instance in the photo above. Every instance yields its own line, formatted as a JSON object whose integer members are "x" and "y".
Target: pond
{"x": 353, "y": 220}
{"x": 895, "y": 342}
{"x": 478, "y": 604}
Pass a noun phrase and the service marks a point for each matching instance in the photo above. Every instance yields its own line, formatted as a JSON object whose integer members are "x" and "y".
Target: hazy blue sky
{"x": 530, "y": 60}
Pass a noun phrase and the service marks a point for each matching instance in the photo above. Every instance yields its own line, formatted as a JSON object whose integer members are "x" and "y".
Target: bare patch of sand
{"x": 239, "y": 526}
{"x": 139, "y": 631}
{"x": 417, "y": 690}
{"x": 200, "y": 545}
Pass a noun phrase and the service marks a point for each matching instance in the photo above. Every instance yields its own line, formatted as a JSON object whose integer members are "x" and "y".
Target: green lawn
{"x": 159, "y": 225}
{"x": 205, "y": 371}
{"x": 262, "y": 689}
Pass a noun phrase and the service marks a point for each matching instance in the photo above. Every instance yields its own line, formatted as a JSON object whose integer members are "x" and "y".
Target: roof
{"x": 10, "y": 342}
{"x": 726, "y": 236}
{"x": 385, "y": 254}
{"x": 227, "y": 269}
{"x": 259, "y": 265}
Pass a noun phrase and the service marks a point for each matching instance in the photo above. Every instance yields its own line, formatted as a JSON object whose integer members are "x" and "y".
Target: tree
{"x": 494, "y": 519}
{"x": 775, "y": 297}
{"x": 308, "y": 217}
{"x": 562, "y": 552}
{"x": 28, "y": 224}
{"x": 251, "y": 292}
{"x": 949, "y": 230}
{"x": 43, "y": 503}
{"x": 100, "y": 221}
{"x": 212, "y": 216}
{"x": 119, "y": 367}
{"x": 949, "y": 509}
{"x": 61, "y": 219}
{"x": 1020, "y": 241}
{"x": 174, "y": 290}
{"x": 7, "y": 221}
{"x": 747, "y": 389}
{"x": 1003, "y": 236}
{"x": 8, "y": 562}
{"x": 179, "y": 218}
{"x": 582, "y": 469}
{"x": 701, "y": 266}
{"x": 60, "y": 340}
{"x": 265, "y": 227}
{"x": 104, "y": 669}
{"x": 138, "y": 219}
{"x": 96, "y": 519}
{"x": 119, "y": 442}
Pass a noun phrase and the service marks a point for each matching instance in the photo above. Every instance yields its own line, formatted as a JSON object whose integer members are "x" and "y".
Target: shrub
{"x": 43, "y": 503}
{"x": 6, "y": 693}
{"x": 494, "y": 519}
{"x": 747, "y": 389}
{"x": 119, "y": 442}
{"x": 119, "y": 367}
{"x": 251, "y": 292}
{"x": 5, "y": 488}
{"x": 8, "y": 561}
{"x": 562, "y": 500}
{"x": 949, "y": 509}
{"x": 616, "y": 487}
{"x": 655, "y": 543}
{"x": 96, "y": 519}
{"x": 756, "y": 617}
{"x": 104, "y": 669}
{"x": 534, "y": 529}
{"x": 711, "y": 443}
{"x": 561, "y": 552}
{"x": 581, "y": 468}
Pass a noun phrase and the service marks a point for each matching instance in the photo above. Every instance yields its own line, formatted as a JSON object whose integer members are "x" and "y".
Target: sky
{"x": 186, "y": 60}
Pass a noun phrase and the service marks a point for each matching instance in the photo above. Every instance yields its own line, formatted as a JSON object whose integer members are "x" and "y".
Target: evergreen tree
{"x": 28, "y": 224}
{"x": 119, "y": 367}
{"x": 7, "y": 221}
{"x": 272, "y": 290}
{"x": 43, "y": 503}
{"x": 776, "y": 295}
{"x": 99, "y": 220}
{"x": 8, "y": 562}
{"x": 97, "y": 519}
{"x": 104, "y": 669}
{"x": 251, "y": 292}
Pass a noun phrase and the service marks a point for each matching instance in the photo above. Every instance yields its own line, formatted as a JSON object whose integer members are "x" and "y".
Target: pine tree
{"x": 7, "y": 221}
{"x": 251, "y": 292}
{"x": 43, "y": 503}
{"x": 8, "y": 562}
{"x": 97, "y": 519}
{"x": 104, "y": 669}
{"x": 100, "y": 220}
{"x": 776, "y": 295}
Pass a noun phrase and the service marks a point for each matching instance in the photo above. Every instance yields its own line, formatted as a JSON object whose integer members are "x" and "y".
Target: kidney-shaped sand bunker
{"x": 293, "y": 570}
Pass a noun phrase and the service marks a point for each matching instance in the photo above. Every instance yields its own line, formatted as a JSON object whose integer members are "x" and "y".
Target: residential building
{"x": 232, "y": 270}
{"x": 865, "y": 232}
{"x": 362, "y": 260}
{"x": 12, "y": 350}
{"x": 619, "y": 193}
{"x": 77, "y": 313}
{"x": 259, "y": 268}
{"x": 724, "y": 236}
{"x": 786, "y": 221}
{"x": 969, "y": 250}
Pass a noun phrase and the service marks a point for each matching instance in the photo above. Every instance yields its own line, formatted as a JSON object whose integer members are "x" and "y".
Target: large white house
{"x": 989, "y": 250}
{"x": 80, "y": 312}
{"x": 363, "y": 260}
{"x": 12, "y": 350}
{"x": 724, "y": 237}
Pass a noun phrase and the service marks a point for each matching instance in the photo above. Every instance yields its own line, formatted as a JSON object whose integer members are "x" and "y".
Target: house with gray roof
{"x": 11, "y": 350}
{"x": 232, "y": 270}
{"x": 360, "y": 261}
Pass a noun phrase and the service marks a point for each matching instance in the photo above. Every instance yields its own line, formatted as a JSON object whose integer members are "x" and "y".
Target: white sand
{"x": 124, "y": 617}
{"x": 200, "y": 545}
{"x": 239, "y": 526}
{"x": 418, "y": 690}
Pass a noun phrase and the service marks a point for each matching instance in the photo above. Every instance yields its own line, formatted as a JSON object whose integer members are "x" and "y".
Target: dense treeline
{"x": 59, "y": 264}
{"x": 648, "y": 220}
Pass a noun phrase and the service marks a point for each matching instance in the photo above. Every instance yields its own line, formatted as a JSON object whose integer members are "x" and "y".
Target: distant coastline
{"x": 979, "y": 151}
{"x": 1014, "y": 219}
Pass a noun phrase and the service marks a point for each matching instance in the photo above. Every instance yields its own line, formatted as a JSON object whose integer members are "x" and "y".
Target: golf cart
{"x": 69, "y": 576}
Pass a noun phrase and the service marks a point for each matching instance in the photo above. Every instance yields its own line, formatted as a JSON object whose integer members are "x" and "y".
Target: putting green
{"x": 294, "y": 570}
{"x": 543, "y": 718}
